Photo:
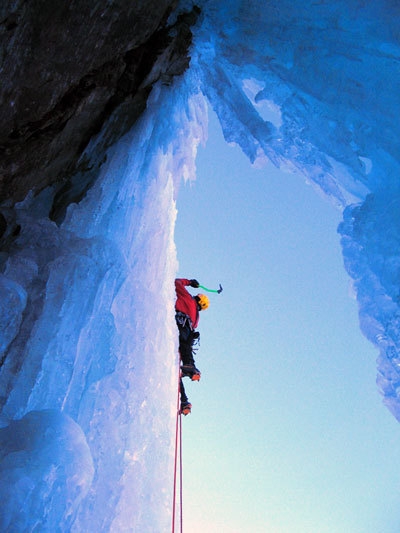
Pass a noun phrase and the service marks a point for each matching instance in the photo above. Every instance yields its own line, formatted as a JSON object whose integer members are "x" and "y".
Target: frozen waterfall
{"x": 87, "y": 319}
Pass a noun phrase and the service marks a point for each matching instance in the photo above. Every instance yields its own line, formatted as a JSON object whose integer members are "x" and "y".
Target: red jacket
{"x": 185, "y": 302}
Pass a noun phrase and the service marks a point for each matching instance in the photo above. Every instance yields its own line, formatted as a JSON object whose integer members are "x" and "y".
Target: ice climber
{"x": 187, "y": 308}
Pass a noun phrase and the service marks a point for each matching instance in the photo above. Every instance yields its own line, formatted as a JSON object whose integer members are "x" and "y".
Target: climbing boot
{"x": 190, "y": 371}
{"x": 186, "y": 408}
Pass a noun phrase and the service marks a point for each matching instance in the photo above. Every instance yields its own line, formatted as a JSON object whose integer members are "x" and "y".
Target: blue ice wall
{"x": 89, "y": 378}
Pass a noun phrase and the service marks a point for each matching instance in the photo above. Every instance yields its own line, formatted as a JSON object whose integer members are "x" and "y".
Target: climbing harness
{"x": 182, "y": 319}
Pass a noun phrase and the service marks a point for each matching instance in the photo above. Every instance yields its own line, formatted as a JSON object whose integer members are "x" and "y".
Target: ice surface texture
{"x": 45, "y": 467}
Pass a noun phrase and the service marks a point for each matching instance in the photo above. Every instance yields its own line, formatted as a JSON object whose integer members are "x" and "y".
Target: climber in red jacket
{"x": 187, "y": 309}
{"x": 187, "y": 304}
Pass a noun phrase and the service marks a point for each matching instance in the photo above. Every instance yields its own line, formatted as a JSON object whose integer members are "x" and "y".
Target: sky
{"x": 288, "y": 433}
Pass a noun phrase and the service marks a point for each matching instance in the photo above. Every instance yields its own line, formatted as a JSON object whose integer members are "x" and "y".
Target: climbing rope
{"x": 178, "y": 451}
{"x": 180, "y": 472}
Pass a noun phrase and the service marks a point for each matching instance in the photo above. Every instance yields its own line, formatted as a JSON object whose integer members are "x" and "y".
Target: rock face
{"x": 70, "y": 70}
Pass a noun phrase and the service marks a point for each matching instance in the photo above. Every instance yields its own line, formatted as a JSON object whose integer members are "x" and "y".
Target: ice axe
{"x": 212, "y": 290}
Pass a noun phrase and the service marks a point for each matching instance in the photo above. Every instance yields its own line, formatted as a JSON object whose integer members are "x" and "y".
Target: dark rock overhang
{"x": 69, "y": 69}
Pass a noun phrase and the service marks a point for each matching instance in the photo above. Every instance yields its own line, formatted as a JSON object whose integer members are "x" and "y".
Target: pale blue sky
{"x": 288, "y": 433}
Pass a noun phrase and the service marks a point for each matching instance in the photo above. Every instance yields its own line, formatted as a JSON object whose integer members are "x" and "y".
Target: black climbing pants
{"x": 186, "y": 340}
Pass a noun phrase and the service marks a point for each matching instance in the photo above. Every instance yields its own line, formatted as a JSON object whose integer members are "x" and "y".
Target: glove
{"x": 194, "y": 283}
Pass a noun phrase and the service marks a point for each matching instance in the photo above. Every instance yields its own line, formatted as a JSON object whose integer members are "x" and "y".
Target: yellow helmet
{"x": 203, "y": 301}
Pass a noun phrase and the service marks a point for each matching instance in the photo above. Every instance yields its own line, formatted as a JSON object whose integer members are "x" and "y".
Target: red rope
{"x": 178, "y": 432}
{"x": 180, "y": 469}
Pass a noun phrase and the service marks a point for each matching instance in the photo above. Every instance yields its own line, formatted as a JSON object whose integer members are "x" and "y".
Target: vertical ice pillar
{"x": 98, "y": 340}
